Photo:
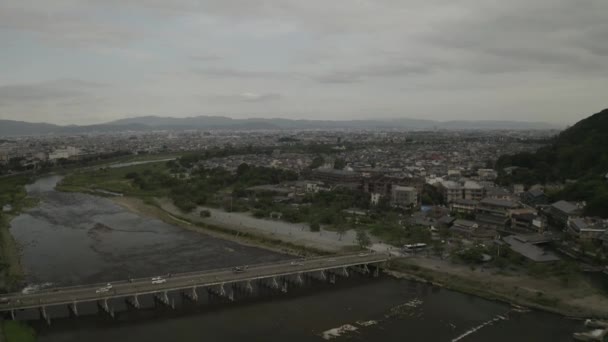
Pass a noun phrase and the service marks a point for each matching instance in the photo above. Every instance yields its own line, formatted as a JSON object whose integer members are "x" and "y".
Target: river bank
{"x": 577, "y": 300}
{"x": 247, "y": 238}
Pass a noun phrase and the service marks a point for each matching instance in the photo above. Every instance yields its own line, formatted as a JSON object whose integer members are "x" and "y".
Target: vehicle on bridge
{"x": 104, "y": 289}
{"x": 239, "y": 269}
{"x": 159, "y": 281}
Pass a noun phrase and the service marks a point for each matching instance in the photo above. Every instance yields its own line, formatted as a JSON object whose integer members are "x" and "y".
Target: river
{"x": 76, "y": 238}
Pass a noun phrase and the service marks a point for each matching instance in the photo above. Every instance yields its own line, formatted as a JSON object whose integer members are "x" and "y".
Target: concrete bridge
{"x": 220, "y": 282}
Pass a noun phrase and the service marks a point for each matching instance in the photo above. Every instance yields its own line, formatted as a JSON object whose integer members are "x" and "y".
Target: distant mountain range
{"x": 149, "y": 123}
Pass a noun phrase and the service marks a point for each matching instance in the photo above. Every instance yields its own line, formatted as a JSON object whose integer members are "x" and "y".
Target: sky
{"x": 93, "y": 61}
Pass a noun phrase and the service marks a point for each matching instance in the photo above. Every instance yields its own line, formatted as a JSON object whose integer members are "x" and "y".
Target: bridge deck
{"x": 84, "y": 293}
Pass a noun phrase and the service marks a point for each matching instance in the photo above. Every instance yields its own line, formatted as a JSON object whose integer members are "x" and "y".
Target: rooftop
{"x": 529, "y": 250}
{"x": 499, "y": 203}
{"x": 565, "y": 207}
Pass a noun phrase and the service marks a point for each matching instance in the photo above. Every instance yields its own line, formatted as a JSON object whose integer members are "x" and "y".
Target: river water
{"x": 77, "y": 238}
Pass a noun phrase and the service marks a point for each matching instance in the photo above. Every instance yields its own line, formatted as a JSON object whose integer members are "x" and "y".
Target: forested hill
{"x": 579, "y": 153}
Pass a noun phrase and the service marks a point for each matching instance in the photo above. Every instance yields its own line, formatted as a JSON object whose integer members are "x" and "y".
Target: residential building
{"x": 451, "y": 191}
{"x": 534, "y": 197}
{"x": 487, "y": 174}
{"x": 332, "y": 176}
{"x": 472, "y": 191}
{"x": 383, "y": 185}
{"x": 587, "y": 228}
{"x": 518, "y": 189}
{"x": 494, "y": 213}
{"x": 526, "y": 221}
{"x": 472, "y": 230}
{"x": 463, "y": 206}
{"x": 404, "y": 196}
{"x": 520, "y": 245}
{"x": 461, "y": 190}
{"x": 560, "y": 212}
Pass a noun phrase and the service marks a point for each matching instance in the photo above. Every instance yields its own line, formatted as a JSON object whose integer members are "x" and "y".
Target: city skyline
{"x": 88, "y": 62}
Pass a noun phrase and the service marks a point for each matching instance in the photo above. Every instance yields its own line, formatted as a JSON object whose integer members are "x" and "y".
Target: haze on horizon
{"x": 92, "y": 61}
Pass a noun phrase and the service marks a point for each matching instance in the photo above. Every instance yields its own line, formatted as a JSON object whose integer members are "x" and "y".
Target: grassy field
{"x": 18, "y": 332}
{"x": 114, "y": 180}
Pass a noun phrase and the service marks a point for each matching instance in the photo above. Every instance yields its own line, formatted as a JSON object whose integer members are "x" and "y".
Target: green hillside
{"x": 579, "y": 153}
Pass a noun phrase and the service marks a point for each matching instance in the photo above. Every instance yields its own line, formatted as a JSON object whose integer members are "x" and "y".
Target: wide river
{"x": 75, "y": 238}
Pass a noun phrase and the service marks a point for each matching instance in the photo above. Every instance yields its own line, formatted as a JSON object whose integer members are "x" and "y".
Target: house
{"x": 488, "y": 174}
{"x": 534, "y": 197}
{"x": 560, "y": 212}
{"x": 7, "y": 207}
{"x": 472, "y": 230}
{"x": 529, "y": 250}
{"x": 518, "y": 189}
{"x": 587, "y": 228}
{"x": 526, "y": 221}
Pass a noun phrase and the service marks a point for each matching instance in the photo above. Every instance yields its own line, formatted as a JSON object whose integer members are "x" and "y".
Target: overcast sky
{"x": 90, "y": 61}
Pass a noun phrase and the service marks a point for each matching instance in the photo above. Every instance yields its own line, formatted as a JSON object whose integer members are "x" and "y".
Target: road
{"x": 86, "y": 293}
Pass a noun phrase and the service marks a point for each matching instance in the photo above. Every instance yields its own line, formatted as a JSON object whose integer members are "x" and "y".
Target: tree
{"x": 205, "y": 213}
{"x": 315, "y": 227}
{"x": 363, "y": 239}
{"x": 339, "y": 164}
{"x": 341, "y": 230}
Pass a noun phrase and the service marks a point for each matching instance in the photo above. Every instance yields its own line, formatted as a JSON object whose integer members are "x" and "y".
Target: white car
{"x": 102, "y": 290}
{"x": 159, "y": 281}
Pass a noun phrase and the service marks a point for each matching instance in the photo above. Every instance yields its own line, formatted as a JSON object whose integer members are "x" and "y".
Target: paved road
{"x": 68, "y": 295}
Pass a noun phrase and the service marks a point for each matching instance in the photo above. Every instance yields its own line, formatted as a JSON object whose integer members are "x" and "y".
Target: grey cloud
{"x": 247, "y": 97}
{"x": 57, "y": 90}
{"x": 389, "y": 69}
{"x": 238, "y": 73}
{"x": 206, "y": 58}
{"x": 514, "y": 36}
{"x": 65, "y": 28}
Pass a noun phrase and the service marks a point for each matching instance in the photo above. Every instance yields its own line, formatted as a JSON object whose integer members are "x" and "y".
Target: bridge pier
{"x": 13, "y": 315}
{"x": 221, "y": 292}
{"x": 322, "y": 275}
{"x": 163, "y": 298}
{"x": 376, "y": 272}
{"x": 362, "y": 269}
{"x": 191, "y": 295}
{"x": 73, "y": 308}
{"x": 44, "y": 315}
{"x": 105, "y": 307}
{"x": 133, "y": 302}
{"x": 332, "y": 278}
